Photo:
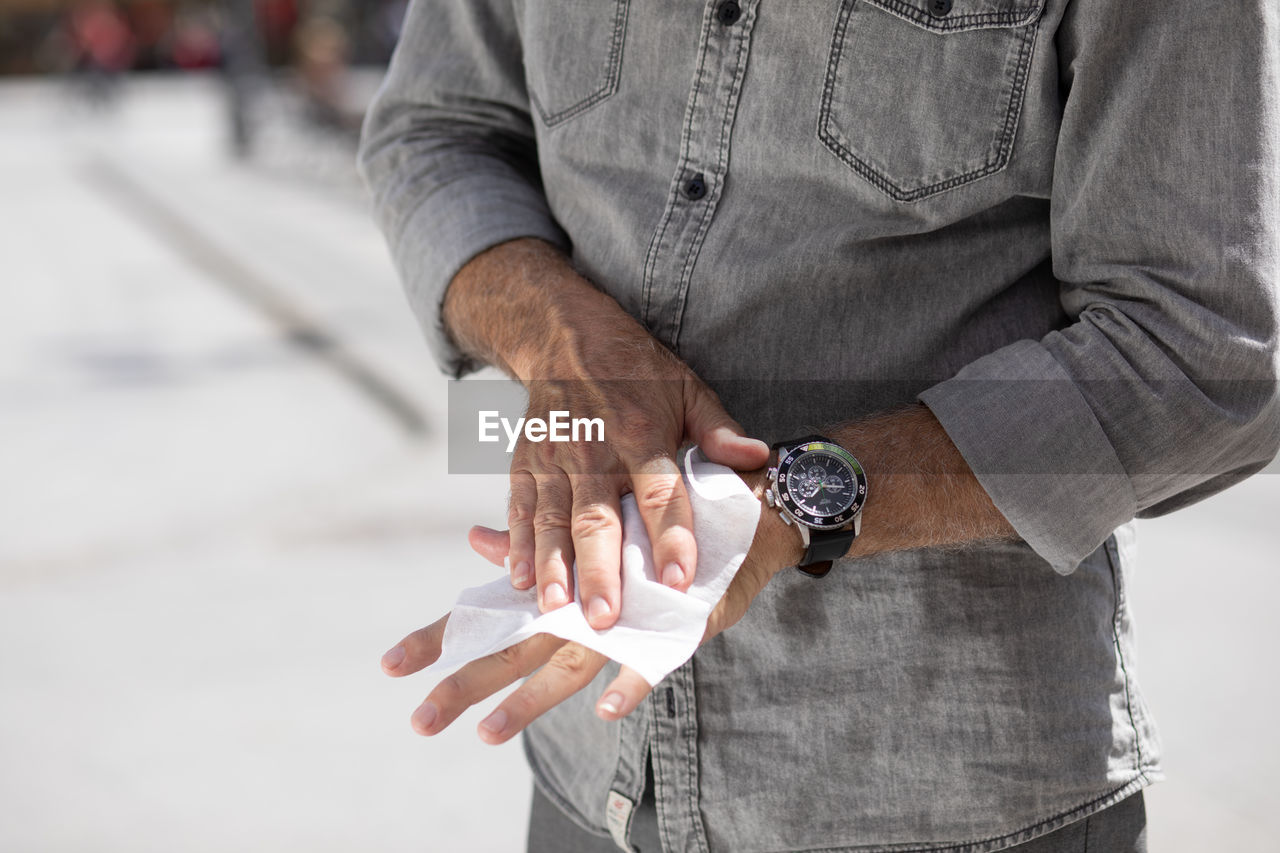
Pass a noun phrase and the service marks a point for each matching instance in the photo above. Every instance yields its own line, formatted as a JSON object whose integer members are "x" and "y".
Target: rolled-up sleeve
{"x": 449, "y": 154}
{"x": 1165, "y": 221}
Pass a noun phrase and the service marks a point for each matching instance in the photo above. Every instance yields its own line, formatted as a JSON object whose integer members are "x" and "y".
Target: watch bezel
{"x": 792, "y": 507}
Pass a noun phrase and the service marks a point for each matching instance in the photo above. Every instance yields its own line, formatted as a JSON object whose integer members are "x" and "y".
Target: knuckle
{"x": 657, "y": 492}
{"x": 509, "y": 660}
{"x": 452, "y": 687}
{"x": 550, "y": 520}
{"x": 417, "y": 648}
{"x": 676, "y": 537}
{"x": 523, "y": 704}
{"x": 592, "y": 521}
{"x": 597, "y": 577}
{"x": 554, "y": 489}
{"x": 572, "y": 659}
{"x": 519, "y": 514}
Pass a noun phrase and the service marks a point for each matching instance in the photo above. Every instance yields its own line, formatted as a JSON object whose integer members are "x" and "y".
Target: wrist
{"x": 516, "y": 305}
{"x": 776, "y": 543}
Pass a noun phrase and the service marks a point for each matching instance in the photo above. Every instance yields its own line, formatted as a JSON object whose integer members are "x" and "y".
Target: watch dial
{"x": 822, "y": 484}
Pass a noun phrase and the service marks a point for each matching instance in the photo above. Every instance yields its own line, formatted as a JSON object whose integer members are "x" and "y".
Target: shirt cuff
{"x": 457, "y": 222}
{"x": 1036, "y": 447}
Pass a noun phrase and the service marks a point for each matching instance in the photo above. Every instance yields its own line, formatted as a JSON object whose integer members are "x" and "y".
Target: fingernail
{"x": 393, "y": 658}
{"x": 672, "y": 575}
{"x": 612, "y": 703}
{"x": 425, "y": 716}
{"x": 598, "y": 609}
{"x": 495, "y": 722}
{"x": 554, "y": 595}
{"x": 522, "y": 572}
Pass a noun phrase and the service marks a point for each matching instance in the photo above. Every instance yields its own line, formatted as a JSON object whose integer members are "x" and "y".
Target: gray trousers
{"x": 1122, "y": 828}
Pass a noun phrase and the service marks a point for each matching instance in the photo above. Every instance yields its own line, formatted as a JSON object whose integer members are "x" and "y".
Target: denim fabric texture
{"x": 1055, "y": 222}
{"x": 1122, "y": 828}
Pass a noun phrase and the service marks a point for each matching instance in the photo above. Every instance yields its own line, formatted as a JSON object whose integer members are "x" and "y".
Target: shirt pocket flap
{"x": 957, "y": 15}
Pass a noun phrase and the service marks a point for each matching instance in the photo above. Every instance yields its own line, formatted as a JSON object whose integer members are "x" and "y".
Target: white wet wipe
{"x": 659, "y": 628}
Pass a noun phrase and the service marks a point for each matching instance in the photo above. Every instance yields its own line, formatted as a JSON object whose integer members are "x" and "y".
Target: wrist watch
{"x": 819, "y": 487}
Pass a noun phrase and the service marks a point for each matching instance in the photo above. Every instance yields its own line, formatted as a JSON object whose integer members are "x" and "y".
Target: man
{"x": 1016, "y": 256}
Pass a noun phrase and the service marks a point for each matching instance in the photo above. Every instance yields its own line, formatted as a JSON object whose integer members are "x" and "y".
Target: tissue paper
{"x": 658, "y": 628}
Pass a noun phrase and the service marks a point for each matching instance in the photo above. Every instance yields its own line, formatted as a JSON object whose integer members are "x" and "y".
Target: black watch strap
{"x": 825, "y": 546}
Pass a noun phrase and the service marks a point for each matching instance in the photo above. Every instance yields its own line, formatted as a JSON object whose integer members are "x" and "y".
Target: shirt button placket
{"x": 700, "y": 173}
{"x": 694, "y": 193}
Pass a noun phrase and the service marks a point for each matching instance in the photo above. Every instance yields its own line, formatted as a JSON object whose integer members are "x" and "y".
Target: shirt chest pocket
{"x": 572, "y": 54}
{"x": 922, "y": 96}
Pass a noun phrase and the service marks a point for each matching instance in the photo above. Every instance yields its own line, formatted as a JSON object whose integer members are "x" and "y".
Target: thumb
{"x": 491, "y": 544}
{"x": 721, "y": 438}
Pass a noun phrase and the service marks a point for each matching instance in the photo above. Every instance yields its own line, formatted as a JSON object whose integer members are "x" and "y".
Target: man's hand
{"x": 522, "y": 306}
{"x": 561, "y": 668}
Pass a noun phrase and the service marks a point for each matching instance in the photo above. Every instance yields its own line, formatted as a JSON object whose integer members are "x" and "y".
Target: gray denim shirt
{"x": 1053, "y": 221}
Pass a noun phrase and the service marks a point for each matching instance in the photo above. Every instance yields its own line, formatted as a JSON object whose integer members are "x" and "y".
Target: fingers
{"x": 553, "y": 543}
{"x": 570, "y": 669}
{"x": 479, "y": 680}
{"x": 418, "y": 650}
{"x": 664, "y": 507}
{"x": 623, "y": 695}
{"x": 524, "y": 501}
{"x": 491, "y": 544}
{"x": 597, "y": 548}
{"x": 721, "y": 438}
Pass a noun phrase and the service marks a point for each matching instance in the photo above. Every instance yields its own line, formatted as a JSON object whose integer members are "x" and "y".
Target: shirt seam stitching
{"x": 660, "y": 786}
{"x": 1023, "y": 834}
{"x": 1113, "y": 562}
{"x": 697, "y": 829}
{"x": 722, "y": 165}
{"x": 686, "y": 136}
{"x": 959, "y": 22}
{"x": 607, "y": 89}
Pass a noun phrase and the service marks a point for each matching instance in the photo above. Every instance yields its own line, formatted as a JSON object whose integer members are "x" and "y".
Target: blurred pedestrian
{"x": 103, "y": 45}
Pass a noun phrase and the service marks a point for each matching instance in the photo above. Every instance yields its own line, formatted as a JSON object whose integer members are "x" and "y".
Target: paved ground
{"x": 221, "y": 499}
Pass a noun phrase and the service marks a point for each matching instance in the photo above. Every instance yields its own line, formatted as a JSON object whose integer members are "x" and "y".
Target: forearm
{"x": 922, "y": 493}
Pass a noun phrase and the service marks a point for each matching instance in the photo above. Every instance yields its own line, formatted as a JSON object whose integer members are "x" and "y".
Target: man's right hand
{"x": 522, "y": 306}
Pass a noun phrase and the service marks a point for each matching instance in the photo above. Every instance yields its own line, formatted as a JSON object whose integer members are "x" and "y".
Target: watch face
{"x": 821, "y": 484}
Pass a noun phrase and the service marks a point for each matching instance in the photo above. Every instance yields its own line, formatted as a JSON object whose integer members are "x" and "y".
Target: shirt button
{"x": 728, "y": 13}
{"x": 939, "y": 8}
{"x": 696, "y": 187}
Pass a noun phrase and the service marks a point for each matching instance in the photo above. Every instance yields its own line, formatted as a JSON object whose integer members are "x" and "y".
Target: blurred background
{"x": 222, "y": 473}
